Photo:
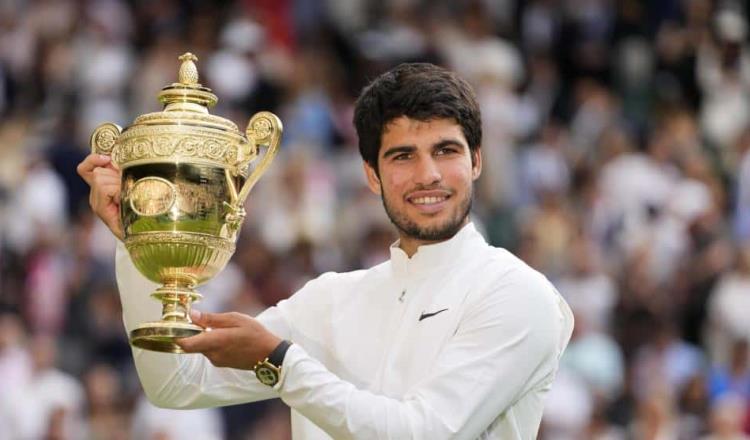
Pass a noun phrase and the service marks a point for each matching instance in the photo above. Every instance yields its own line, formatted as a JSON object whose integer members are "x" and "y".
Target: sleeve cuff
{"x": 293, "y": 355}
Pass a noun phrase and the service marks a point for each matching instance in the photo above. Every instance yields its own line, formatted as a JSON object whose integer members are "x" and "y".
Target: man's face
{"x": 426, "y": 176}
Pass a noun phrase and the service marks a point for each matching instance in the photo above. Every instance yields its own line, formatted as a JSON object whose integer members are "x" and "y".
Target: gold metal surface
{"x": 185, "y": 177}
{"x": 152, "y": 196}
{"x": 104, "y": 137}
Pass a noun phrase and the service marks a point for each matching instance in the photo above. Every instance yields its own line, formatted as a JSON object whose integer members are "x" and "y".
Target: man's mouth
{"x": 428, "y": 200}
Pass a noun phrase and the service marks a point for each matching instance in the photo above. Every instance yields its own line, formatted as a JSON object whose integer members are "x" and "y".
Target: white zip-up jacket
{"x": 460, "y": 341}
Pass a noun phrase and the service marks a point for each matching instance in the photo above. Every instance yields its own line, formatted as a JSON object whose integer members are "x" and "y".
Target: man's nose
{"x": 427, "y": 172}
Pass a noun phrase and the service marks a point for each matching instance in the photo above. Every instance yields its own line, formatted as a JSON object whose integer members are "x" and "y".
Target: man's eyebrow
{"x": 448, "y": 142}
{"x": 399, "y": 149}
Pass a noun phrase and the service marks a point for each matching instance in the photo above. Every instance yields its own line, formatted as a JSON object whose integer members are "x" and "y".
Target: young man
{"x": 450, "y": 338}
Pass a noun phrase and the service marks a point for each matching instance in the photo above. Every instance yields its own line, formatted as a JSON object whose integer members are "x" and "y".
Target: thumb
{"x": 213, "y": 320}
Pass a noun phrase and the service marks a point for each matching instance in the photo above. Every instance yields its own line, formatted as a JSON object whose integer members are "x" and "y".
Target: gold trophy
{"x": 185, "y": 177}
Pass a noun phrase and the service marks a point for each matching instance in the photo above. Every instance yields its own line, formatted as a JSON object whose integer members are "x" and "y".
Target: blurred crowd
{"x": 616, "y": 161}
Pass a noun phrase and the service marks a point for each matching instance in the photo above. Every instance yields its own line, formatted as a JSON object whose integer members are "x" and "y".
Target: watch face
{"x": 267, "y": 375}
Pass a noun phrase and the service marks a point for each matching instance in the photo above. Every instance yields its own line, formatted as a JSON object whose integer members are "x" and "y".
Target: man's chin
{"x": 439, "y": 231}
{"x": 439, "y": 226}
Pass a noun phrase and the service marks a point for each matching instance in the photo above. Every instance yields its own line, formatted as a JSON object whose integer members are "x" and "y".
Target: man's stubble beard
{"x": 439, "y": 232}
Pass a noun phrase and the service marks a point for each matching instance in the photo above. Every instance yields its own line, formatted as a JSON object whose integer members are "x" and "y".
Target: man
{"x": 451, "y": 338}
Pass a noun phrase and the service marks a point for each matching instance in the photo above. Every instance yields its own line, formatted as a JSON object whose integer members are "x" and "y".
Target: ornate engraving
{"x": 261, "y": 130}
{"x": 152, "y": 196}
{"x": 177, "y": 147}
{"x": 189, "y": 146}
{"x": 205, "y": 120}
{"x": 163, "y": 146}
{"x": 104, "y": 138}
{"x": 161, "y": 238}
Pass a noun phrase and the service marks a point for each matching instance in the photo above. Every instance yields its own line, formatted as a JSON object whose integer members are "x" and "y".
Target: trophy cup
{"x": 185, "y": 177}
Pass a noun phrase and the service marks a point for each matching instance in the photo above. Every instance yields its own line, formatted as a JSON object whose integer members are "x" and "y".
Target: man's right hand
{"x": 103, "y": 177}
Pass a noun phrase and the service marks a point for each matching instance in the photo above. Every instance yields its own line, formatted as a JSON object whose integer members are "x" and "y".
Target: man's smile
{"x": 428, "y": 201}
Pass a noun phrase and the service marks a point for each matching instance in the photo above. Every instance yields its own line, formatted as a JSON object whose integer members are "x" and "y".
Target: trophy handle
{"x": 264, "y": 128}
{"x": 104, "y": 139}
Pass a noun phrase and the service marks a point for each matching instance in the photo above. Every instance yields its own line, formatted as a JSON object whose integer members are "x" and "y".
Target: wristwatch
{"x": 268, "y": 371}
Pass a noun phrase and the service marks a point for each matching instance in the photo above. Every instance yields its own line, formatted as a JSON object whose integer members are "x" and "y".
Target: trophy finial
{"x": 188, "y": 73}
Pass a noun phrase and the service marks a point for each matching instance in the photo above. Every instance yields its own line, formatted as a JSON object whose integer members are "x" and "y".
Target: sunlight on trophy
{"x": 185, "y": 177}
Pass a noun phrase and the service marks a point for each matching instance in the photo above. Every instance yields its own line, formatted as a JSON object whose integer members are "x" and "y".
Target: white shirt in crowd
{"x": 462, "y": 340}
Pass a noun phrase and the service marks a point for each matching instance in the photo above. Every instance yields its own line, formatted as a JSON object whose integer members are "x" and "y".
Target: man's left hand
{"x": 231, "y": 340}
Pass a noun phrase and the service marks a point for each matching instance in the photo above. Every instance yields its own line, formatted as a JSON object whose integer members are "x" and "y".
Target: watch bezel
{"x": 267, "y": 373}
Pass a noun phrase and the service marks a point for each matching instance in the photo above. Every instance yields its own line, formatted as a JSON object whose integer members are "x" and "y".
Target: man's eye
{"x": 402, "y": 156}
{"x": 446, "y": 150}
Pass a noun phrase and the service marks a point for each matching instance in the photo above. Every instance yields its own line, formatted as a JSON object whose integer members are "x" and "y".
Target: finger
{"x": 93, "y": 161}
{"x": 204, "y": 342}
{"x": 216, "y": 320}
{"x": 101, "y": 172}
{"x": 90, "y": 163}
{"x": 105, "y": 182}
{"x": 104, "y": 195}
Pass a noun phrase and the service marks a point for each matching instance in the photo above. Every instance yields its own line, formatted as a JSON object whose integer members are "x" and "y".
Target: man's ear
{"x": 476, "y": 163}
{"x": 373, "y": 181}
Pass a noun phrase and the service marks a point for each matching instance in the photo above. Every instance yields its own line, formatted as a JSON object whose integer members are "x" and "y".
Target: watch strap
{"x": 276, "y": 357}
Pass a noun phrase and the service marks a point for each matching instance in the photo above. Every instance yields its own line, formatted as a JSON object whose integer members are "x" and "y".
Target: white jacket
{"x": 460, "y": 341}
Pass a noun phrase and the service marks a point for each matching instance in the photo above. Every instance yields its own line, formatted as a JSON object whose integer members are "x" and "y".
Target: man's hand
{"x": 103, "y": 177}
{"x": 231, "y": 340}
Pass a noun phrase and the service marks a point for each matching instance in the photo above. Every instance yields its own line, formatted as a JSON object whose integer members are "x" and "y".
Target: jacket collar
{"x": 431, "y": 256}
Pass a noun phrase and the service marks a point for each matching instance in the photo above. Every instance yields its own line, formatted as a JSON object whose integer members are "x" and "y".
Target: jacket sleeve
{"x": 507, "y": 344}
{"x": 184, "y": 380}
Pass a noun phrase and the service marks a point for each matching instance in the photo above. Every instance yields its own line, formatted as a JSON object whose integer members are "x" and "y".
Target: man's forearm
{"x": 184, "y": 380}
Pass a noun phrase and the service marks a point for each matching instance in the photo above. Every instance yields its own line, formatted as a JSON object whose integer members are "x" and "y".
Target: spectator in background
{"x": 47, "y": 395}
{"x": 106, "y": 415}
{"x": 727, "y": 418}
{"x": 723, "y": 71}
{"x": 15, "y": 372}
{"x": 741, "y": 215}
{"x": 152, "y": 423}
{"x": 590, "y": 291}
{"x": 734, "y": 376}
{"x": 597, "y": 360}
{"x": 664, "y": 365}
{"x": 727, "y": 320}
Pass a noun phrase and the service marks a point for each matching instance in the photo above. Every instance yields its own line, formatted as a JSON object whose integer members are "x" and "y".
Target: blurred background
{"x": 616, "y": 161}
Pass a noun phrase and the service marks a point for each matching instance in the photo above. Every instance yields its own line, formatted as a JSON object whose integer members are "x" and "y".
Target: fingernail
{"x": 195, "y": 315}
{"x": 103, "y": 156}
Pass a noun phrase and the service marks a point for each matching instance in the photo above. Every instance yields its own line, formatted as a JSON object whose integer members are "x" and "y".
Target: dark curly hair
{"x": 420, "y": 91}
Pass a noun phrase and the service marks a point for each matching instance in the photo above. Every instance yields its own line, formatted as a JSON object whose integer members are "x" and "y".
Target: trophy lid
{"x": 187, "y": 101}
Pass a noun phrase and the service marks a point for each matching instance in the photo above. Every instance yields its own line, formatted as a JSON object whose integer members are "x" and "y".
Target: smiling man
{"x": 450, "y": 338}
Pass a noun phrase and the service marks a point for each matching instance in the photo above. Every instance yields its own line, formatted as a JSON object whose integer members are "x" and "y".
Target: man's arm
{"x": 184, "y": 380}
{"x": 169, "y": 380}
{"x": 507, "y": 346}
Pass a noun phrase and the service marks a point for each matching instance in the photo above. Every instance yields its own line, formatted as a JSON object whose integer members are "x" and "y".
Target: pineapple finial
{"x": 188, "y": 73}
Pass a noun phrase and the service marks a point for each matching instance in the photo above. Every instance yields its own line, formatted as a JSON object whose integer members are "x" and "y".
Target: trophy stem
{"x": 176, "y": 302}
{"x": 175, "y": 320}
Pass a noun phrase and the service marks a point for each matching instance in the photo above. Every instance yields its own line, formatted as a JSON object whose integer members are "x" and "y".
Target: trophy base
{"x": 160, "y": 336}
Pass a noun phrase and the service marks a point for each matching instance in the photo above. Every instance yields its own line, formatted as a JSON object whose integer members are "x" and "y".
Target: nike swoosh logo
{"x": 427, "y": 315}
